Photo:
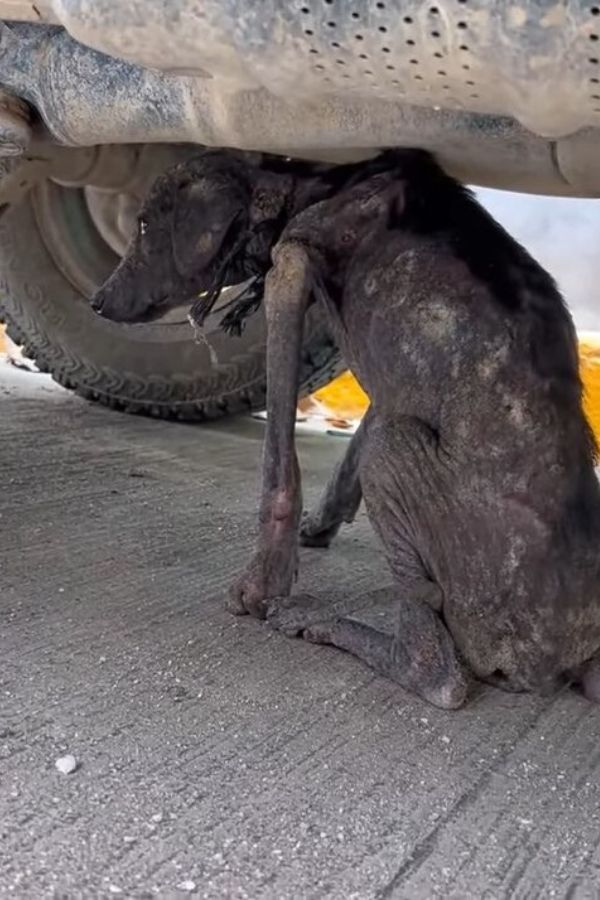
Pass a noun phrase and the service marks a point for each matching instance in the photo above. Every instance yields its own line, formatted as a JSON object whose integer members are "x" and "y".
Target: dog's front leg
{"x": 271, "y": 571}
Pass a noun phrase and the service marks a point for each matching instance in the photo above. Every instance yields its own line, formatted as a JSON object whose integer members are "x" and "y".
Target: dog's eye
{"x": 347, "y": 237}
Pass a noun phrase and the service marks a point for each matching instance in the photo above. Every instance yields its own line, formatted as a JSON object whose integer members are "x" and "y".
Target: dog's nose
{"x": 97, "y": 302}
{"x": 106, "y": 305}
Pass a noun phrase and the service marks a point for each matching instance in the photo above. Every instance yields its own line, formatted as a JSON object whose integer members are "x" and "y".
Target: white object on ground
{"x": 16, "y": 356}
{"x": 66, "y": 764}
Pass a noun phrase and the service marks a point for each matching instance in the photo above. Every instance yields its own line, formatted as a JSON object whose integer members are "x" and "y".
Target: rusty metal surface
{"x": 506, "y": 93}
{"x": 531, "y": 60}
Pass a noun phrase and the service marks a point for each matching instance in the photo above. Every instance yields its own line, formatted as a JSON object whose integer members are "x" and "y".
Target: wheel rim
{"x": 71, "y": 237}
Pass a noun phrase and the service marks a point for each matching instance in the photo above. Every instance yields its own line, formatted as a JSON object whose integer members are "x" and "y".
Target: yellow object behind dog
{"x": 589, "y": 362}
{"x": 345, "y": 399}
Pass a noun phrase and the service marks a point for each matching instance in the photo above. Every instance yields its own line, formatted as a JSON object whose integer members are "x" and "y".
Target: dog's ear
{"x": 204, "y": 214}
{"x": 382, "y": 196}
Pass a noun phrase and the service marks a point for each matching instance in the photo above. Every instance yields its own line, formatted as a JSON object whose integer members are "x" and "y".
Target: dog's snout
{"x": 97, "y": 303}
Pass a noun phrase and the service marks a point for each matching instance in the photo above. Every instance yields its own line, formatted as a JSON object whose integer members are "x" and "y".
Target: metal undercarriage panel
{"x": 505, "y": 93}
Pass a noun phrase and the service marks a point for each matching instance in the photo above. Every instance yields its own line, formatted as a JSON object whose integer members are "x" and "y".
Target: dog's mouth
{"x": 151, "y": 311}
{"x": 155, "y": 311}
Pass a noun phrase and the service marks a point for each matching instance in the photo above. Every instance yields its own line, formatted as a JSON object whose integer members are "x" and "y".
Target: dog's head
{"x": 206, "y": 223}
{"x": 211, "y": 222}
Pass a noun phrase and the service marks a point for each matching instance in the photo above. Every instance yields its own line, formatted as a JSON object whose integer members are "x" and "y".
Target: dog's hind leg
{"x": 420, "y": 655}
{"x": 341, "y": 498}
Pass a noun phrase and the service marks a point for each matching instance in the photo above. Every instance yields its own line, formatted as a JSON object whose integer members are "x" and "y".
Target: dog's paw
{"x": 313, "y": 534}
{"x": 267, "y": 579}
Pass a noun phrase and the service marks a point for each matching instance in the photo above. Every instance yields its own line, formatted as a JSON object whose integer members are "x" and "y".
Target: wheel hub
{"x": 114, "y": 215}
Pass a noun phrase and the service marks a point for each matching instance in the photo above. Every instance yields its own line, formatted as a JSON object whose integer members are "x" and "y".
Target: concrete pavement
{"x": 217, "y": 759}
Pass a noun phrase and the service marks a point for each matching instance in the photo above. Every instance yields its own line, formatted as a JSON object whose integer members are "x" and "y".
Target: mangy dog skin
{"x": 475, "y": 459}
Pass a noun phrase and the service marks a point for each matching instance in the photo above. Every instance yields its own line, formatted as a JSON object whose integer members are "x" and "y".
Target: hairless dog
{"x": 475, "y": 459}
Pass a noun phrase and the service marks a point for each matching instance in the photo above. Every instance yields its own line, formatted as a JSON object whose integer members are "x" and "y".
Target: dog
{"x": 475, "y": 460}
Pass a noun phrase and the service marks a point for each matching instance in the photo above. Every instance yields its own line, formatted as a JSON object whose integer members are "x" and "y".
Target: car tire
{"x": 154, "y": 368}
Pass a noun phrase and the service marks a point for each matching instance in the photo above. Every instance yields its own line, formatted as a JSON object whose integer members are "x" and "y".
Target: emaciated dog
{"x": 475, "y": 460}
